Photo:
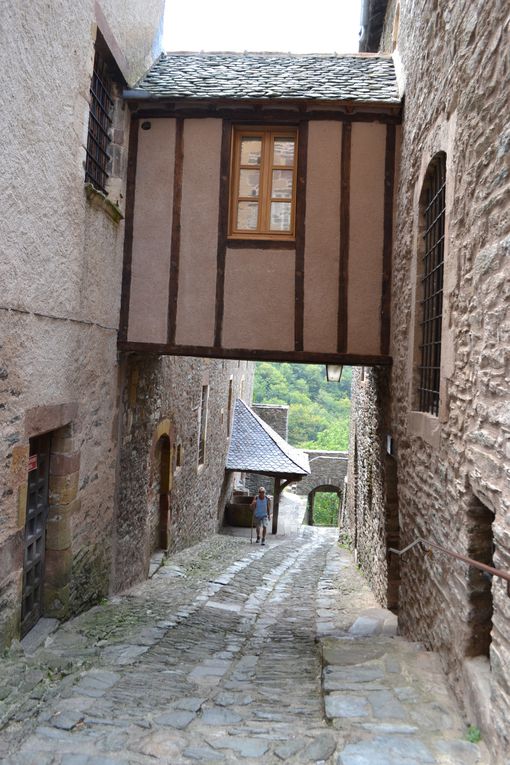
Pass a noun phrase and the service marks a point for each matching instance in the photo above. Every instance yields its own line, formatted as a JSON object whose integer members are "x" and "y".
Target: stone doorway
{"x": 51, "y": 500}
{"x": 480, "y": 605}
{"x": 324, "y": 505}
{"x": 35, "y": 531}
{"x": 159, "y": 513}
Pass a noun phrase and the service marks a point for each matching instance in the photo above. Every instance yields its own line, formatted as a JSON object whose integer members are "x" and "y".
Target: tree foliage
{"x": 325, "y": 508}
{"x": 319, "y": 411}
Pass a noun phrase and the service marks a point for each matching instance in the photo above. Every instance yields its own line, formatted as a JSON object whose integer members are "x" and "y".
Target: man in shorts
{"x": 261, "y": 507}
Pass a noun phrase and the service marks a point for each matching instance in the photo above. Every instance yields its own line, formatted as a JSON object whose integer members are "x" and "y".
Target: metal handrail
{"x": 477, "y": 564}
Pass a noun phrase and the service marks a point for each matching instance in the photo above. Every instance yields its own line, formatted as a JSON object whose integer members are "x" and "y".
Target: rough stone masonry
{"x": 445, "y": 477}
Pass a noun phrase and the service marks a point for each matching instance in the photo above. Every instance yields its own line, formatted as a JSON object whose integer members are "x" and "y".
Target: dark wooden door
{"x": 35, "y": 531}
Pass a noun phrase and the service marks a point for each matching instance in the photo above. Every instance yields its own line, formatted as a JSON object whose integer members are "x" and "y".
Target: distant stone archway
{"x": 327, "y": 468}
{"x": 323, "y": 488}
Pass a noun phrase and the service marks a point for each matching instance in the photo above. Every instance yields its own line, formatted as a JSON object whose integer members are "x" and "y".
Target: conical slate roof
{"x": 257, "y": 448}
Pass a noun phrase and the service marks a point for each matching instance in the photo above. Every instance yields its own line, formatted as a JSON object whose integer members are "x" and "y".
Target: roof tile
{"x": 353, "y": 77}
{"x": 257, "y": 448}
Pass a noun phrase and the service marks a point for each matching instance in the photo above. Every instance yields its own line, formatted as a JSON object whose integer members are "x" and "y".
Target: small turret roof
{"x": 257, "y": 448}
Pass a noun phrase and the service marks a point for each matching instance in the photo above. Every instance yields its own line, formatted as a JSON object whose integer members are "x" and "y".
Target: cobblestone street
{"x": 234, "y": 653}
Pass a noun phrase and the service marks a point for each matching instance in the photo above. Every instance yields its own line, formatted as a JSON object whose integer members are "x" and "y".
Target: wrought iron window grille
{"x": 432, "y": 287}
{"x": 100, "y": 121}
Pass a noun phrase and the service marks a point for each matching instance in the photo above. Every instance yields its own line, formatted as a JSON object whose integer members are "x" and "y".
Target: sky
{"x": 328, "y": 26}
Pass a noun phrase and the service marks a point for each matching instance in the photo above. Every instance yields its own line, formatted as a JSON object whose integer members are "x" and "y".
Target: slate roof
{"x": 257, "y": 448}
{"x": 354, "y": 77}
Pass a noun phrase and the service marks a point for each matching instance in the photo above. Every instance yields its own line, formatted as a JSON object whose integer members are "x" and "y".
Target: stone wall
{"x": 327, "y": 469}
{"x": 371, "y": 521}
{"x": 60, "y": 271}
{"x": 452, "y": 469}
{"x": 161, "y": 397}
{"x": 277, "y": 417}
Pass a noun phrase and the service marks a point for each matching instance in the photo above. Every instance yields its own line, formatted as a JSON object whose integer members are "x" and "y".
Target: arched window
{"x": 431, "y": 284}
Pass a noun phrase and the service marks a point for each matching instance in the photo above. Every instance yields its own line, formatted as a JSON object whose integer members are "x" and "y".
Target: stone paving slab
{"x": 232, "y": 654}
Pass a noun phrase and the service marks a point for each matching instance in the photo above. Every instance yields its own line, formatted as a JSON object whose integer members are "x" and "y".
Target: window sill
{"x": 101, "y": 201}
{"x": 263, "y": 243}
{"x": 425, "y": 426}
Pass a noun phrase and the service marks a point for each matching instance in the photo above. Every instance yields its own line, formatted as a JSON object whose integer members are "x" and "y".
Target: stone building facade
{"x": 171, "y": 494}
{"x": 443, "y": 475}
{"x": 79, "y": 422}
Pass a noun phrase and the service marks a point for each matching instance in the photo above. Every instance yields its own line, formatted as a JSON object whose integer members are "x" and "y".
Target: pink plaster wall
{"x": 199, "y": 232}
{"x": 152, "y": 231}
{"x": 366, "y": 237}
{"x": 259, "y": 299}
{"x": 322, "y": 244}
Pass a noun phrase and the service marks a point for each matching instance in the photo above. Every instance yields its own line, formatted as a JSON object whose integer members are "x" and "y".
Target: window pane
{"x": 283, "y": 151}
{"x": 249, "y": 183}
{"x": 282, "y": 184}
{"x": 247, "y": 216}
{"x": 280, "y": 216}
{"x": 251, "y": 149}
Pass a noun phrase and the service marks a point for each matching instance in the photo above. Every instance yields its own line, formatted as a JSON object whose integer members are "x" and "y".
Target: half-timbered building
{"x": 260, "y": 203}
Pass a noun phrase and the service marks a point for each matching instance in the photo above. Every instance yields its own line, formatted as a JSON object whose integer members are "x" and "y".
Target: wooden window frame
{"x": 267, "y": 134}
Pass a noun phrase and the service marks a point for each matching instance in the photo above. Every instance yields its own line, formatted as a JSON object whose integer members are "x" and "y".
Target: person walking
{"x": 261, "y": 507}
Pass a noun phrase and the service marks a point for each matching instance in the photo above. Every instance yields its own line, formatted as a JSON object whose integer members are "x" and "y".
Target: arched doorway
{"x": 324, "y": 505}
{"x": 159, "y": 505}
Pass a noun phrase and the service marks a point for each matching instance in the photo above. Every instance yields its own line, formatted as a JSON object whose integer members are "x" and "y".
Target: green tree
{"x": 325, "y": 508}
{"x": 319, "y": 411}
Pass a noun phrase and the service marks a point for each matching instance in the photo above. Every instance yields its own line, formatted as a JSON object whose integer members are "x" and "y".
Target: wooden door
{"x": 35, "y": 531}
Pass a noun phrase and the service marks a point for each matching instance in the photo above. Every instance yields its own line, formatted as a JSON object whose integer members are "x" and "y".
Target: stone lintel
{"x": 42, "y": 419}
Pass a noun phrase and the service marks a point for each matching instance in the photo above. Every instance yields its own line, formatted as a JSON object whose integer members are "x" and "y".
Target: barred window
{"x": 433, "y": 209}
{"x": 100, "y": 120}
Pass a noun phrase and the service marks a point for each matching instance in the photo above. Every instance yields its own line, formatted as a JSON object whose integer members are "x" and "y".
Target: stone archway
{"x": 323, "y": 488}
{"x": 159, "y": 507}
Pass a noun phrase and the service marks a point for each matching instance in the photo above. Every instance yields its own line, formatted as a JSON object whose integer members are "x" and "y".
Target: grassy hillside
{"x": 319, "y": 411}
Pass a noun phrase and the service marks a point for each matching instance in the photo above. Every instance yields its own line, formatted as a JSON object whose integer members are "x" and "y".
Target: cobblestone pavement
{"x": 234, "y": 653}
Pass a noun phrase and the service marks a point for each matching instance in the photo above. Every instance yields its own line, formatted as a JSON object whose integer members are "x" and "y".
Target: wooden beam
{"x": 175, "y": 245}
{"x": 128, "y": 232}
{"x": 389, "y": 183}
{"x": 276, "y": 505}
{"x": 226, "y": 135}
{"x": 289, "y": 481}
{"x": 299, "y": 279}
{"x": 257, "y": 244}
{"x": 343, "y": 275}
{"x": 286, "y": 113}
{"x": 255, "y": 354}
